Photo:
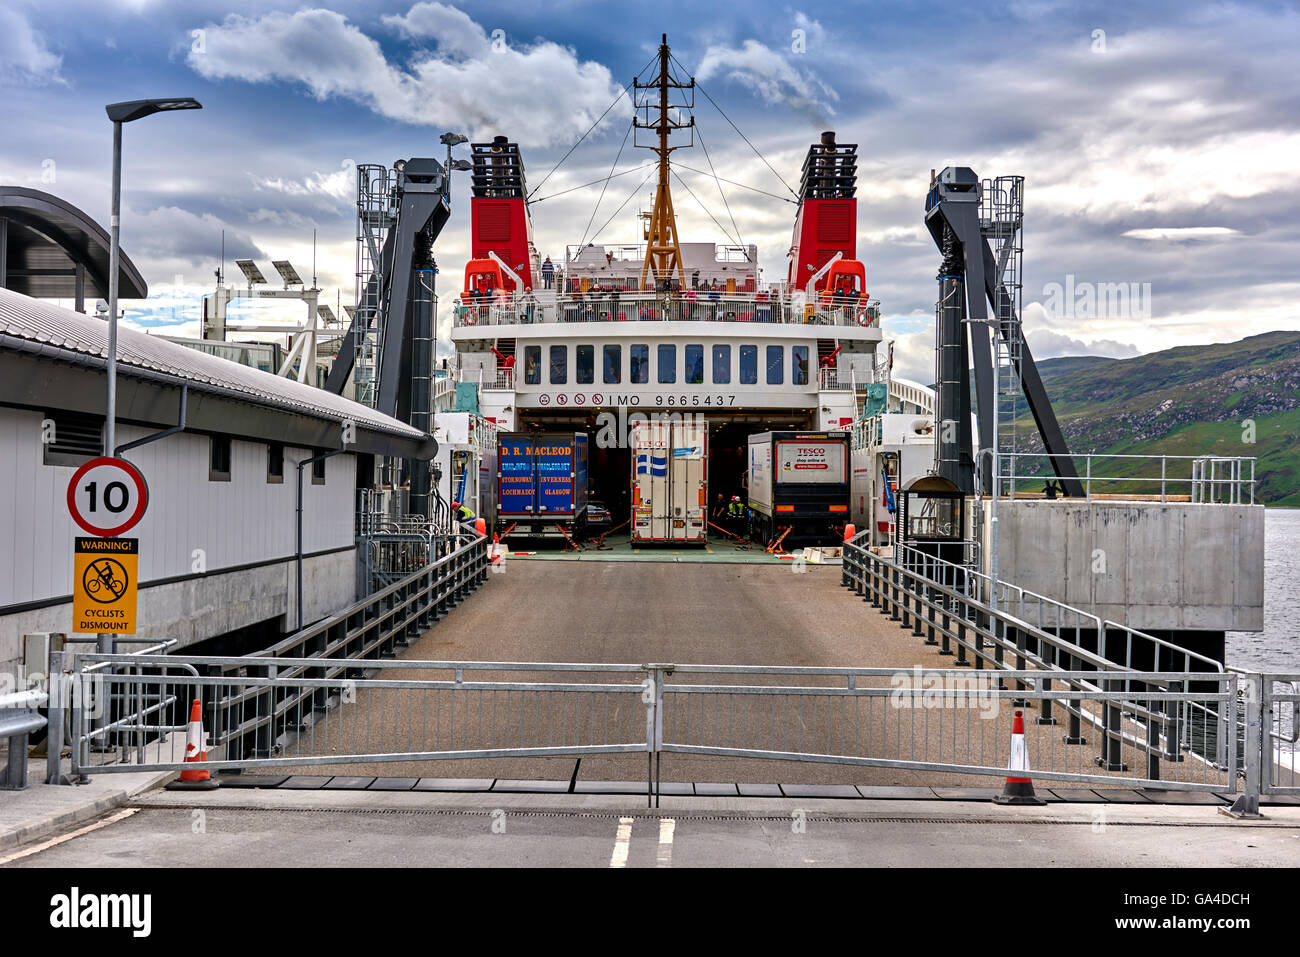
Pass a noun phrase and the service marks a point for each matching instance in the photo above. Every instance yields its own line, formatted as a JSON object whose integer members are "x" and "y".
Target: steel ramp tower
{"x": 388, "y": 350}
{"x": 964, "y": 223}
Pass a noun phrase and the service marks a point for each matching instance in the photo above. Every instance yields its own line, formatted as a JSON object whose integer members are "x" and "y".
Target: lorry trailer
{"x": 669, "y": 481}
{"x": 799, "y": 486}
{"x": 542, "y": 484}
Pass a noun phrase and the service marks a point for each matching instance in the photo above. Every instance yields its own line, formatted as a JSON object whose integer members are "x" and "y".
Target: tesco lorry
{"x": 799, "y": 481}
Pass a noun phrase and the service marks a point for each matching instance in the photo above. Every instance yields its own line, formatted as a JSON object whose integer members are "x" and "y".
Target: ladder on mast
{"x": 1002, "y": 223}
{"x": 375, "y": 216}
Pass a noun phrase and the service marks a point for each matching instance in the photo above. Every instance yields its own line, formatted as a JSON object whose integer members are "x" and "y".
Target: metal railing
{"x": 1136, "y": 711}
{"x": 957, "y": 610}
{"x": 19, "y": 719}
{"x": 949, "y": 720}
{"x": 501, "y": 379}
{"x": 1193, "y": 478}
{"x": 120, "y": 706}
{"x": 690, "y": 306}
{"x": 1114, "y": 643}
{"x": 349, "y": 711}
{"x": 830, "y": 380}
{"x": 1279, "y": 698}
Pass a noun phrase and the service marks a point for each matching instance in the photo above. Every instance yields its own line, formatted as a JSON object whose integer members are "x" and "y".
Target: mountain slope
{"x": 1192, "y": 400}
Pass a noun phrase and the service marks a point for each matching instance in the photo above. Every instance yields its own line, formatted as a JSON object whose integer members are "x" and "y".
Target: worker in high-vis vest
{"x": 464, "y": 515}
{"x": 736, "y": 516}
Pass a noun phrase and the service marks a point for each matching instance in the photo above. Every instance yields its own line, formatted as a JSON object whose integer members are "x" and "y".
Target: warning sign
{"x": 104, "y": 585}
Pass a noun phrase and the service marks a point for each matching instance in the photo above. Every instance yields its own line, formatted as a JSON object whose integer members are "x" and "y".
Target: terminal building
{"x": 218, "y": 542}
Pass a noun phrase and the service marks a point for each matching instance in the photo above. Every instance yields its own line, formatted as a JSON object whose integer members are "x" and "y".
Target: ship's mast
{"x": 663, "y": 255}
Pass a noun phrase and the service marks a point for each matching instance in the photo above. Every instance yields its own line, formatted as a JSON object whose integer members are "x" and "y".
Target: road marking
{"x": 55, "y": 841}
{"x": 666, "y": 828}
{"x": 621, "y": 840}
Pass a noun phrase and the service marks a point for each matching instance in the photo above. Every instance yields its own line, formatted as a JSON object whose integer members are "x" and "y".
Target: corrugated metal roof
{"x": 63, "y": 329}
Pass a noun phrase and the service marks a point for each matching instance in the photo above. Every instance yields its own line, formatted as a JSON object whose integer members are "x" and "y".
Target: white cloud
{"x": 540, "y": 94}
{"x": 1046, "y": 344}
{"x": 24, "y": 57}
{"x": 1182, "y": 233}
{"x": 768, "y": 74}
{"x": 338, "y": 185}
{"x": 453, "y": 29}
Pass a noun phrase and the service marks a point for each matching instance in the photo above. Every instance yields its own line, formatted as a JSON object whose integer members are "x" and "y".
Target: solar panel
{"x": 250, "y": 271}
{"x": 287, "y": 272}
{"x": 326, "y": 315}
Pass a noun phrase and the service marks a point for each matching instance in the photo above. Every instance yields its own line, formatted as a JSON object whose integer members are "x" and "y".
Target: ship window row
{"x": 752, "y": 364}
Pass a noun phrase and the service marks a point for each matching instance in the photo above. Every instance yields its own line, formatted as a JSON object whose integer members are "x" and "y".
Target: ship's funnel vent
{"x": 830, "y": 170}
{"x": 498, "y": 171}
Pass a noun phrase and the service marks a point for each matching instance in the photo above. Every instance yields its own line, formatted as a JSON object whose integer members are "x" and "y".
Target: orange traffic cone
{"x": 849, "y": 531}
{"x": 1018, "y": 790}
{"x": 195, "y": 779}
{"x": 494, "y": 553}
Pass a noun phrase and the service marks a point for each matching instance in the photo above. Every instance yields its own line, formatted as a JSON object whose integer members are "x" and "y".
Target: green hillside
{"x": 1192, "y": 400}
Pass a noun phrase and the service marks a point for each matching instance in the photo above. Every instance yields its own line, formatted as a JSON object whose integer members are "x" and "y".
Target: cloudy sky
{"x": 1158, "y": 140}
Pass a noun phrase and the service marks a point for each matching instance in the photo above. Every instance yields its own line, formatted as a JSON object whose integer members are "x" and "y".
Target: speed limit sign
{"x": 107, "y": 497}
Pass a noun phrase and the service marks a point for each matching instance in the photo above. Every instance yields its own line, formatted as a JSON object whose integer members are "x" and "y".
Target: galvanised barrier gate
{"x": 116, "y": 703}
{"x": 925, "y": 720}
{"x": 1280, "y": 695}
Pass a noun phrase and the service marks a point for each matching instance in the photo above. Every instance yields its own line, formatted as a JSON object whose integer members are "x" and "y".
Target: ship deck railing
{"x": 691, "y": 306}
{"x": 1199, "y": 479}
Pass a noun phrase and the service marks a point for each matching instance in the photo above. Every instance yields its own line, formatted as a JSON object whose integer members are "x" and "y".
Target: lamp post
{"x": 449, "y": 140}
{"x": 121, "y": 113}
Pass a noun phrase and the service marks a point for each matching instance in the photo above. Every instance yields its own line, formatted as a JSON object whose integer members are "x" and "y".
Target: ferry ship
{"x": 596, "y": 337}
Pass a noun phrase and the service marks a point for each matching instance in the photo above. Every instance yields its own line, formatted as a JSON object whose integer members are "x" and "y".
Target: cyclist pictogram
{"x": 105, "y": 580}
{"x": 105, "y": 575}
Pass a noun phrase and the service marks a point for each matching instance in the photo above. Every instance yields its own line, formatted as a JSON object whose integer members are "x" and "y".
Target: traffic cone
{"x": 849, "y": 531}
{"x": 195, "y": 779}
{"x": 1018, "y": 790}
{"x": 494, "y": 553}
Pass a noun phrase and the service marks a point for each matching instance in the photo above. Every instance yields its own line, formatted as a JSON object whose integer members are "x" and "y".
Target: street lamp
{"x": 120, "y": 113}
{"x": 449, "y": 140}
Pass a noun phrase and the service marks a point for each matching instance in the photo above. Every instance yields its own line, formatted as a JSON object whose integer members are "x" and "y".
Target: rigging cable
{"x": 645, "y": 179}
{"x": 732, "y": 182}
{"x": 740, "y": 238}
{"x": 722, "y": 229}
{"x": 621, "y": 94}
{"x": 631, "y": 169}
{"x": 739, "y": 133}
{"x": 599, "y": 199}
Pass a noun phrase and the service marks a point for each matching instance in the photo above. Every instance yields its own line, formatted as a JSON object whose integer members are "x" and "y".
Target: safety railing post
{"x": 1153, "y": 744}
{"x": 1111, "y": 757}
{"x": 1246, "y": 804}
{"x": 54, "y": 721}
{"x": 652, "y": 696}
{"x": 1045, "y": 715}
{"x": 945, "y": 647}
{"x": 79, "y": 759}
